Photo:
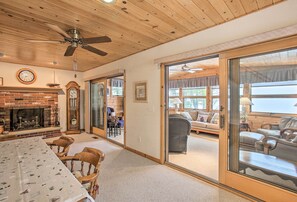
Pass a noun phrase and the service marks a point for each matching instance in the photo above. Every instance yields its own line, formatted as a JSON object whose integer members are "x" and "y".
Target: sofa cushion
{"x": 215, "y": 118}
{"x": 250, "y": 138}
{"x": 186, "y": 115}
{"x": 198, "y": 124}
{"x": 193, "y": 114}
{"x": 212, "y": 126}
{"x": 267, "y": 132}
{"x": 201, "y": 112}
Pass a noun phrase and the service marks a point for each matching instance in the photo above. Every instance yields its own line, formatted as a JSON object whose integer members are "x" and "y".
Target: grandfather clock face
{"x": 73, "y": 107}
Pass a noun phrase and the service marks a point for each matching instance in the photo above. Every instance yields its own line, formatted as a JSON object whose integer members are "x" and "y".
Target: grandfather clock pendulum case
{"x": 73, "y": 108}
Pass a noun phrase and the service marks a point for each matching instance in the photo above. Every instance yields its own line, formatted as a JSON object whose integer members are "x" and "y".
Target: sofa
{"x": 202, "y": 121}
{"x": 287, "y": 125}
{"x": 179, "y": 129}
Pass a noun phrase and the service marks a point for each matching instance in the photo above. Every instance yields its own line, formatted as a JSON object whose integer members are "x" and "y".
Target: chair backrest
{"x": 92, "y": 156}
{"x": 63, "y": 144}
{"x": 179, "y": 125}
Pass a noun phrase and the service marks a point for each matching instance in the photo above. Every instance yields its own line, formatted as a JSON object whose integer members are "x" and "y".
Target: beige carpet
{"x": 127, "y": 177}
{"x": 202, "y": 156}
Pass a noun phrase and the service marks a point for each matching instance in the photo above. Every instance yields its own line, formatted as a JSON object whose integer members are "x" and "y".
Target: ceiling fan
{"x": 74, "y": 38}
{"x": 186, "y": 68}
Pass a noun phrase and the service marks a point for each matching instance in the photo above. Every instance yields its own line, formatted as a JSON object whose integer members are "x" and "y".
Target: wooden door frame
{"x": 259, "y": 189}
{"x": 107, "y": 76}
{"x": 100, "y": 132}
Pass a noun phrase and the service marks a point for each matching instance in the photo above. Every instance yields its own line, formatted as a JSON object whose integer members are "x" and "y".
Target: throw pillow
{"x": 209, "y": 114}
{"x": 193, "y": 114}
{"x": 215, "y": 118}
{"x": 284, "y": 121}
{"x": 292, "y": 123}
{"x": 202, "y": 118}
{"x": 186, "y": 115}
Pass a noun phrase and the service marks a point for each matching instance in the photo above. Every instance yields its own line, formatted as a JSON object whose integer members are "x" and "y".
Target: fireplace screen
{"x": 26, "y": 118}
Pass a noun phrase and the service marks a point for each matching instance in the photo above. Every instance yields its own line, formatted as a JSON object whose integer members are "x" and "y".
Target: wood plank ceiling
{"x": 133, "y": 26}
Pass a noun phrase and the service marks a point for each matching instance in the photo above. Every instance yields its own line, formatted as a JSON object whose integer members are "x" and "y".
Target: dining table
{"x": 30, "y": 171}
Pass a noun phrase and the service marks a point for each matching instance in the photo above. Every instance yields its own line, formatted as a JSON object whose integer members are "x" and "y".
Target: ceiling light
{"x": 55, "y": 62}
{"x": 1, "y": 54}
{"x": 109, "y": 1}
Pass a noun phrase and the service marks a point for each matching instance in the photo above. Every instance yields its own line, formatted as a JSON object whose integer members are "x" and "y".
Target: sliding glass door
{"x": 98, "y": 107}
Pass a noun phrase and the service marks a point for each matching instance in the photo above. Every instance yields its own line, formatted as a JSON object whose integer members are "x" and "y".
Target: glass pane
{"x": 171, "y": 105}
{"x": 215, "y": 103}
{"x": 264, "y": 84}
{"x": 173, "y": 92}
{"x": 274, "y": 90}
{"x": 215, "y": 90}
{"x": 117, "y": 91}
{"x": 200, "y": 91}
{"x": 195, "y": 103}
{"x": 97, "y": 105}
{"x": 284, "y": 105}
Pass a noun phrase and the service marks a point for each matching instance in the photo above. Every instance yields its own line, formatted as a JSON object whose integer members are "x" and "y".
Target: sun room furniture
{"x": 32, "y": 172}
{"x": 61, "y": 146}
{"x": 201, "y": 121}
{"x": 249, "y": 139}
{"x": 281, "y": 129}
{"x": 268, "y": 164}
{"x": 85, "y": 167}
{"x": 279, "y": 147}
{"x": 179, "y": 129}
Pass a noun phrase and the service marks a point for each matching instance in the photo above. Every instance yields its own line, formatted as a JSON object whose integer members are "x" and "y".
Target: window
{"x": 194, "y": 98}
{"x": 281, "y": 97}
{"x": 173, "y": 92}
{"x": 117, "y": 91}
{"x": 215, "y": 101}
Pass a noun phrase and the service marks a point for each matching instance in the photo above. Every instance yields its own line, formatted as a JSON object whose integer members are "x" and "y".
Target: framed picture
{"x": 1, "y": 81}
{"x": 140, "y": 89}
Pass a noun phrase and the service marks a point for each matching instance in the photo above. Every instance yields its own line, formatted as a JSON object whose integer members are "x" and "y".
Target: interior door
{"x": 98, "y": 107}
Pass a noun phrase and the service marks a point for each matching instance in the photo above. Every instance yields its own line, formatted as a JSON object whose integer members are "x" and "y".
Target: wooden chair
{"x": 61, "y": 146}
{"x": 90, "y": 159}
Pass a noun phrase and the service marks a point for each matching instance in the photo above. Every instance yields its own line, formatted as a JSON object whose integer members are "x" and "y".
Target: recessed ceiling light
{"x": 1, "y": 54}
{"x": 55, "y": 62}
{"x": 109, "y": 1}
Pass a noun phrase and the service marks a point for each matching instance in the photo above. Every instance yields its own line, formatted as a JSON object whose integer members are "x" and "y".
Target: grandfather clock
{"x": 73, "y": 109}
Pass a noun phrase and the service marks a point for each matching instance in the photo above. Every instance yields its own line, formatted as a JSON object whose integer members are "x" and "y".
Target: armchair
{"x": 282, "y": 148}
{"x": 179, "y": 129}
{"x": 287, "y": 125}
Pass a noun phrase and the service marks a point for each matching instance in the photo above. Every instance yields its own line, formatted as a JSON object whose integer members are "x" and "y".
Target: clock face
{"x": 73, "y": 93}
{"x": 26, "y": 76}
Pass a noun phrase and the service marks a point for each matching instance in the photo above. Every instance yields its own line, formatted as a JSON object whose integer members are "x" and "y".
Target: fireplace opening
{"x": 26, "y": 118}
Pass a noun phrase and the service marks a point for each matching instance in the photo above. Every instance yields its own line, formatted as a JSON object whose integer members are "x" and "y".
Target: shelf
{"x": 59, "y": 91}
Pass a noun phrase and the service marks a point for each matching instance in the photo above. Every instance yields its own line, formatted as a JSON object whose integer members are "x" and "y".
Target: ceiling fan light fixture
{"x": 108, "y": 1}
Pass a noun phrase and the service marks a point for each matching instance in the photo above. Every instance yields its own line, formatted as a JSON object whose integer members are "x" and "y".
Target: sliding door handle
{"x": 222, "y": 121}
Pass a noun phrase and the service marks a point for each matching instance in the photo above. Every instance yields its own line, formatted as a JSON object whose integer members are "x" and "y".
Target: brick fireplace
{"x": 35, "y": 112}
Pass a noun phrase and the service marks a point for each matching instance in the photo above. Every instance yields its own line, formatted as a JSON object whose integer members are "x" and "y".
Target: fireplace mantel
{"x": 59, "y": 91}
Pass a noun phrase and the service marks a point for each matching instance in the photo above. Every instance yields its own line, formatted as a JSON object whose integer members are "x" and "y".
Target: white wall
{"x": 44, "y": 75}
{"x": 143, "y": 119}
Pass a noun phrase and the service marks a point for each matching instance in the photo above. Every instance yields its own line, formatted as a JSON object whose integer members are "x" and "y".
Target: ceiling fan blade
{"x": 70, "y": 50}
{"x": 100, "y": 39}
{"x": 94, "y": 50}
{"x": 58, "y": 29}
{"x": 44, "y": 41}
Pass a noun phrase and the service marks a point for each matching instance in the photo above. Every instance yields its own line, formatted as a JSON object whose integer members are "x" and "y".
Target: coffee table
{"x": 268, "y": 164}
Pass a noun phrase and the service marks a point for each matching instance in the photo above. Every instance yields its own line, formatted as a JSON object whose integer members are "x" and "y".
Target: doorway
{"x": 192, "y": 116}
{"x": 115, "y": 109}
{"x": 107, "y": 108}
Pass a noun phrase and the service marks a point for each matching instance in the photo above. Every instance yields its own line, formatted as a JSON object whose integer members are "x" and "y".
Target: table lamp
{"x": 176, "y": 102}
{"x": 244, "y": 102}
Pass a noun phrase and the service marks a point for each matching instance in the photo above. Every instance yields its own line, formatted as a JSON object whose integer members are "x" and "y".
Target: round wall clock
{"x": 26, "y": 76}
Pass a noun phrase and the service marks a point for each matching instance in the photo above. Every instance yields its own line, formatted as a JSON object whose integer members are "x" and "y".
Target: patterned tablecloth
{"x": 30, "y": 171}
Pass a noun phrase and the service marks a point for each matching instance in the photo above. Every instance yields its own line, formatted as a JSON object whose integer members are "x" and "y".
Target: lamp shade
{"x": 245, "y": 101}
{"x": 176, "y": 101}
